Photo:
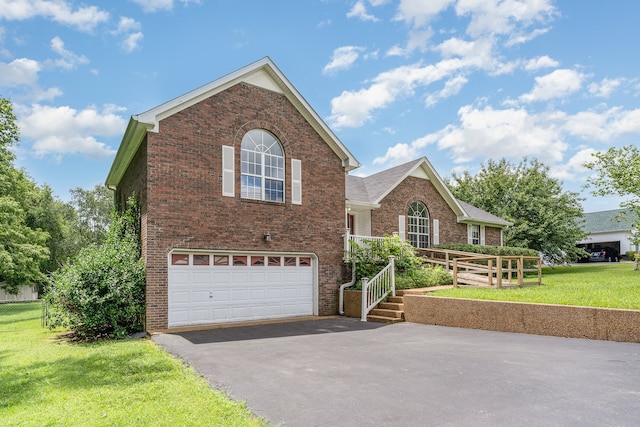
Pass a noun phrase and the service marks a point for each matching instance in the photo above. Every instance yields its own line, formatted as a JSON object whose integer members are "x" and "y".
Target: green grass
{"x": 612, "y": 285}
{"x": 48, "y": 381}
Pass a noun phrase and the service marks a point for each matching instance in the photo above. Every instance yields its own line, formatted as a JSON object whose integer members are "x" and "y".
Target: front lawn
{"x": 48, "y": 381}
{"x": 612, "y": 285}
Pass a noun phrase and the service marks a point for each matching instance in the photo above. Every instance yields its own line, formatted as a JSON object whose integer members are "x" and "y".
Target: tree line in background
{"x": 38, "y": 232}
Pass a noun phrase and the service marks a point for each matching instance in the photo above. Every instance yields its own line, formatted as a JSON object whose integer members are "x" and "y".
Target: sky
{"x": 458, "y": 81}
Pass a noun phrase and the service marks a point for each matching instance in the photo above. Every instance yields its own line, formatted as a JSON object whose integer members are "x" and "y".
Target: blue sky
{"x": 458, "y": 81}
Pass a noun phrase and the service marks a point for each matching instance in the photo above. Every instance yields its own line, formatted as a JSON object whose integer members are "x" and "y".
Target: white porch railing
{"x": 377, "y": 289}
{"x": 362, "y": 241}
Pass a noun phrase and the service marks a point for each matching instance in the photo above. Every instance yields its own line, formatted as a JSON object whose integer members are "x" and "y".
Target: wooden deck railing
{"x": 473, "y": 269}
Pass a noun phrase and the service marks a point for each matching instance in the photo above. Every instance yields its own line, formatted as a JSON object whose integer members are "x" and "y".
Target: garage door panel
{"x": 221, "y": 295}
{"x": 231, "y": 293}
{"x": 200, "y": 314}
{"x": 200, "y": 296}
{"x": 179, "y": 297}
{"x": 201, "y": 277}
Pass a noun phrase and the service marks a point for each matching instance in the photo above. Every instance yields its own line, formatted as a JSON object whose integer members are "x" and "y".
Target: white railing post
{"x": 393, "y": 275}
{"x": 365, "y": 302}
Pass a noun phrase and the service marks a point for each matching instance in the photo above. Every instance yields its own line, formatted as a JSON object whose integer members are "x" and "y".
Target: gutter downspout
{"x": 346, "y": 285}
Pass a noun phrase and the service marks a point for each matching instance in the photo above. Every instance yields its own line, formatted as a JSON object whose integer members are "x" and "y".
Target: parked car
{"x": 604, "y": 255}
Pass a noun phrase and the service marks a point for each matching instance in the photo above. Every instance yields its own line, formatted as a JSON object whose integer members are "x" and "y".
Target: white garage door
{"x": 207, "y": 288}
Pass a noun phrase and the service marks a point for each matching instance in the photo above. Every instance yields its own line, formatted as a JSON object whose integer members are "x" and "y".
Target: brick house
{"x": 242, "y": 190}
{"x": 411, "y": 199}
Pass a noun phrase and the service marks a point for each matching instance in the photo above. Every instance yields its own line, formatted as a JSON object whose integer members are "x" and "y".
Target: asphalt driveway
{"x": 343, "y": 372}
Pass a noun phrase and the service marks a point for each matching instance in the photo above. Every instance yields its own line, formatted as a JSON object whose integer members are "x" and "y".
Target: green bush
{"x": 101, "y": 294}
{"x": 424, "y": 277}
{"x": 631, "y": 255}
{"x": 490, "y": 250}
{"x": 372, "y": 256}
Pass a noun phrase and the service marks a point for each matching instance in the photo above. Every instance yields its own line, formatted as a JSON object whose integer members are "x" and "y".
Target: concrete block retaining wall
{"x": 539, "y": 319}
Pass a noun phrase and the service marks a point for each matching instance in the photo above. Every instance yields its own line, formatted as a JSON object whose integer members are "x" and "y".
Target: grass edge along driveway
{"x": 606, "y": 285}
{"x": 48, "y": 381}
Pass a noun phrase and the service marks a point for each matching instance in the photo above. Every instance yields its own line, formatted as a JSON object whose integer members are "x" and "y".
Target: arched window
{"x": 262, "y": 165}
{"x": 418, "y": 231}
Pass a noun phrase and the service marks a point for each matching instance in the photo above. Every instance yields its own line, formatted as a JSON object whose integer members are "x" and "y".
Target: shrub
{"x": 426, "y": 276}
{"x": 372, "y": 256}
{"x": 101, "y": 294}
{"x": 494, "y": 250}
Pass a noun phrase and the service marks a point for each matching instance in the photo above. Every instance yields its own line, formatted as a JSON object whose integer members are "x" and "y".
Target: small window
{"x": 239, "y": 260}
{"x": 179, "y": 259}
{"x": 290, "y": 261}
{"x": 305, "y": 261}
{"x": 221, "y": 260}
{"x": 201, "y": 260}
{"x": 474, "y": 235}
{"x": 262, "y": 167}
{"x": 257, "y": 261}
{"x": 275, "y": 261}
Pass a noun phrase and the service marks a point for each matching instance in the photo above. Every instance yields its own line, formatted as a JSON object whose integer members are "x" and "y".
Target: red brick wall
{"x": 185, "y": 207}
{"x": 384, "y": 220}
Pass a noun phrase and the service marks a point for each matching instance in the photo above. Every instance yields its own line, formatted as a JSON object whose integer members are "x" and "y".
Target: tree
{"x": 22, "y": 248}
{"x": 545, "y": 218}
{"x": 617, "y": 173}
{"x": 94, "y": 208}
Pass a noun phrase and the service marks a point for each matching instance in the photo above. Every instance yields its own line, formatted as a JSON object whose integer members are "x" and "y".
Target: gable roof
{"x": 372, "y": 189}
{"x": 262, "y": 73}
{"x": 605, "y": 221}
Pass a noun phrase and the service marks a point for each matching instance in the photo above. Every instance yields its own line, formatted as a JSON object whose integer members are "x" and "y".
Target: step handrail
{"x": 377, "y": 289}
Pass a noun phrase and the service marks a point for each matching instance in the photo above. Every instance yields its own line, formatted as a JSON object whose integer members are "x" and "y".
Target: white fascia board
{"x": 361, "y": 206}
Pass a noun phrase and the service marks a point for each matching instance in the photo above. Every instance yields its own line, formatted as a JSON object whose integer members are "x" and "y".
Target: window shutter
{"x": 482, "y": 234}
{"x": 401, "y": 227}
{"x": 470, "y": 234}
{"x": 436, "y": 232}
{"x": 228, "y": 172}
{"x": 296, "y": 182}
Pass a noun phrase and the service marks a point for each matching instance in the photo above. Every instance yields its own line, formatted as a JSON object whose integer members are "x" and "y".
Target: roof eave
{"x": 131, "y": 140}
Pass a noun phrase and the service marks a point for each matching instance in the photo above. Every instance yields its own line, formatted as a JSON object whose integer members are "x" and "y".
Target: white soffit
{"x": 419, "y": 173}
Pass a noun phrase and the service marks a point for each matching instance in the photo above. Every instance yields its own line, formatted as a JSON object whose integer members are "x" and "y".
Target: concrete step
{"x": 392, "y": 306}
{"x": 396, "y": 299}
{"x": 394, "y": 314}
{"x": 383, "y": 319}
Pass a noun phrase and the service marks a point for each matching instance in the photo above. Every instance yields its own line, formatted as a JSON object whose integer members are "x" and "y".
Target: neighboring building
{"x": 605, "y": 229}
{"x": 242, "y": 186}
{"x": 25, "y": 293}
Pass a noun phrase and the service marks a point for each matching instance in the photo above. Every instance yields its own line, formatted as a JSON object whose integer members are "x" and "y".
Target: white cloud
{"x": 359, "y": 11}
{"x": 342, "y": 59}
{"x": 21, "y": 71}
{"x": 131, "y": 42}
{"x": 63, "y": 130}
{"x": 82, "y": 18}
{"x": 126, "y": 25}
{"x": 492, "y": 17}
{"x": 605, "y": 88}
{"x": 540, "y": 62}
{"x": 574, "y": 168}
{"x": 354, "y": 108}
{"x": 419, "y": 13}
{"x": 558, "y": 84}
{"x": 396, "y": 155}
{"x": 158, "y": 5}
{"x": 513, "y": 133}
{"x": 69, "y": 60}
{"x": 129, "y": 28}
{"x": 452, "y": 87}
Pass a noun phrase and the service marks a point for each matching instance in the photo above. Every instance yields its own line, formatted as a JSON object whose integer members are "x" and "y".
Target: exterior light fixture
{"x": 267, "y": 237}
